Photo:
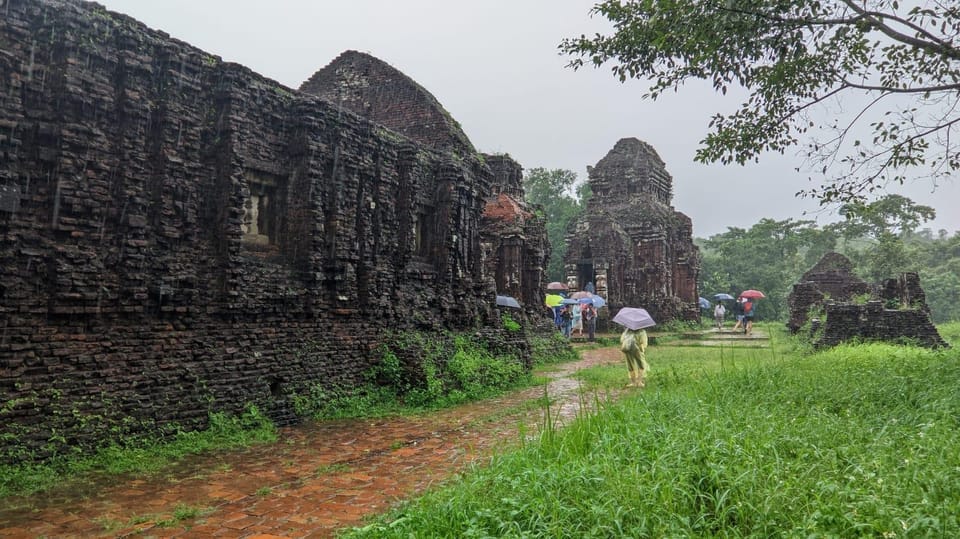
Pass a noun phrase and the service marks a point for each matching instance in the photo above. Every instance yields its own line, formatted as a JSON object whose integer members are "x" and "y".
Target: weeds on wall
{"x": 418, "y": 371}
{"x": 509, "y": 323}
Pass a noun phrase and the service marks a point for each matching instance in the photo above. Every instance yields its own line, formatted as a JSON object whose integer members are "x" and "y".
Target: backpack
{"x": 747, "y": 308}
{"x": 628, "y": 341}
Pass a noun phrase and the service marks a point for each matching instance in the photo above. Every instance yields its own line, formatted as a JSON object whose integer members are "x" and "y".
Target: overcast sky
{"x": 495, "y": 66}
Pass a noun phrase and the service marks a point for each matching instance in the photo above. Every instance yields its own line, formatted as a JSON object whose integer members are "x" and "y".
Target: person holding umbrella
{"x": 589, "y": 313}
{"x": 748, "y": 309}
{"x": 738, "y": 313}
{"x": 633, "y": 342}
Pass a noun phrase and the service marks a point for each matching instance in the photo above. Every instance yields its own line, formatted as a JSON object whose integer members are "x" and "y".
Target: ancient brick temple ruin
{"x": 513, "y": 238}
{"x": 636, "y": 249}
{"x": 180, "y": 235}
{"x": 848, "y": 308}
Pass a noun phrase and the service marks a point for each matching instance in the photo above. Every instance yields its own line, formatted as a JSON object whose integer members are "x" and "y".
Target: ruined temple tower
{"x": 630, "y": 242}
{"x": 512, "y": 237}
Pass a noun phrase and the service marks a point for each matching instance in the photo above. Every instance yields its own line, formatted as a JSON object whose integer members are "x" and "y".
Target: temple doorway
{"x": 585, "y": 270}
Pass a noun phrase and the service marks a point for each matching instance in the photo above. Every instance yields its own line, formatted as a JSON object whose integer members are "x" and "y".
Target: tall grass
{"x": 856, "y": 441}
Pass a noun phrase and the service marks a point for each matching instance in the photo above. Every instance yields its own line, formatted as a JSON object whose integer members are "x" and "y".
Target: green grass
{"x": 140, "y": 458}
{"x": 950, "y": 332}
{"x": 183, "y": 513}
{"x": 855, "y": 441}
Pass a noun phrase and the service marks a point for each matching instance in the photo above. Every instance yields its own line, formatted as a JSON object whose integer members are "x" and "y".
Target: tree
{"x": 562, "y": 198}
{"x": 885, "y": 223}
{"x": 795, "y": 58}
{"x": 893, "y": 214}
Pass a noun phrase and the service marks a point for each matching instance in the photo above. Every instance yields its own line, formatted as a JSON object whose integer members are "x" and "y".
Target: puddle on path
{"x": 317, "y": 478}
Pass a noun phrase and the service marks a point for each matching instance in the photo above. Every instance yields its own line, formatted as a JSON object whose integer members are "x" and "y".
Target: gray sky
{"x": 495, "y": 67}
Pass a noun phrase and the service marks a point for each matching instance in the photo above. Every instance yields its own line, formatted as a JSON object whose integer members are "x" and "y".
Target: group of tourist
{"x": 742, "y": 310}
{"x": 570, "y": 319}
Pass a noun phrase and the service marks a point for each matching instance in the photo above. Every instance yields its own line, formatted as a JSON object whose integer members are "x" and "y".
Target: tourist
{"x": 718, "y": 313}
{"x": 747, "y": 317}
{"x": 738, "y": 312}
{"x": 566, "y": 317}
{"x": 578, "y": 320}
{"x": 633, "y": 344}
{"x": 590, "y": 317}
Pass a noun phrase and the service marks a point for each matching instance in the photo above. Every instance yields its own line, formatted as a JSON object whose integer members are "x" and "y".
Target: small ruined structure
{"x": 895, "y": 310}
{"x": 630, "y": 242}
{"x": 180, "y": 235}
{"x": 830, "y": 278}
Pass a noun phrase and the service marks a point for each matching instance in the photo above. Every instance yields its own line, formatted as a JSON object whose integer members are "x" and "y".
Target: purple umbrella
{"x": 634, "y": 318}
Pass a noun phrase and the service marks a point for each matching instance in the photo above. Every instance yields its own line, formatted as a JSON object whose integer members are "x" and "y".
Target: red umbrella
{"x": 556, "y": 285}
{"x": 753, "y": 294}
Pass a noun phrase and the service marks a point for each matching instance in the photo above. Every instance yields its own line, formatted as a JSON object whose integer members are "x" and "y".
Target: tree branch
{"x": 931, "y": 89}
{"x": 935, "y": 45}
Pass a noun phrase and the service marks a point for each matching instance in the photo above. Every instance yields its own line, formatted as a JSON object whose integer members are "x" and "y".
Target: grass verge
{"x": 856, "y": 441}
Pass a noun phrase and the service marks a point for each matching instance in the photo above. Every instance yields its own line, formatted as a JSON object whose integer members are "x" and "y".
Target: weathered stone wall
{"x": 636, "y": 249}
{"x": 874, "y": 322}
{"x": 514, "y": 238}
{"x": 831, "y": 278}
{"x": 375, "y": 90}
{"x": 898, "y": 310}
{"x": 180, "y": 235}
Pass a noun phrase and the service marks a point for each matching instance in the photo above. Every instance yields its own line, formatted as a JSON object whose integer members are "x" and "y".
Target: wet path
{"x": 316, "y": 479}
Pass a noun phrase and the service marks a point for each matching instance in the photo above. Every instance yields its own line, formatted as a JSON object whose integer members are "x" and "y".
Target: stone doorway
{"x": 586, "y": 273}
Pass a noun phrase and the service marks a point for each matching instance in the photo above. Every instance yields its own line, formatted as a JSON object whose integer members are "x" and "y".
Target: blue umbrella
{"x": 704, "y": 303}
{"x": 570, "y": 301}
{"x": 722, "y": 296}
{"x": 596, "y": 301}
{"x": 507, "y": 301}
{"x": 634, "y": 318}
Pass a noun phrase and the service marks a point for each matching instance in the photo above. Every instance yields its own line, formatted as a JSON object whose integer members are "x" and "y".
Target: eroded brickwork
{"x": 831, "y": 278}
{"x": 895, "y": 310}
{"x": 180, "y": 235}
{"x": 373, "y": 89}
{"x": 636, "y": 249}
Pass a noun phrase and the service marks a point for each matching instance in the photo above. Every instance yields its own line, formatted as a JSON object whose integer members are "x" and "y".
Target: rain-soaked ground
{"x": 319, "y": 477}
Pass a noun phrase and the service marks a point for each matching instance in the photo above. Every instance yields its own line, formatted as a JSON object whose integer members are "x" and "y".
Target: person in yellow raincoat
{"x": 633, "y": 344}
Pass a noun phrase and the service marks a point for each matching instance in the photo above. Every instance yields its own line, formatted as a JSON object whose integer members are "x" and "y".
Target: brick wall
{"x": 180, "y": 235}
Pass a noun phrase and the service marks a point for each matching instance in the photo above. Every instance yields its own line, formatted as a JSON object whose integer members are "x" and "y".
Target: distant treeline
{"x": 882, "y": 239}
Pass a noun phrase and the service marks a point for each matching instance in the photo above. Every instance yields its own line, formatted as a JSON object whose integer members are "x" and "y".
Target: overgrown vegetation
{"x": 855, "y": 441}
{"x": 420, "y": 371}
{"x": 509, "y": 323}
{"x": 137, "y": 456}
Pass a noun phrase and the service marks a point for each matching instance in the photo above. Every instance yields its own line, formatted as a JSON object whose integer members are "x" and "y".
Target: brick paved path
{"x": 316, "y": 479}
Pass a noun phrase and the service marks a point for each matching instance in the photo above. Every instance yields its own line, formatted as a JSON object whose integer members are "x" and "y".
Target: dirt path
{"x": 316, "y": 479}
